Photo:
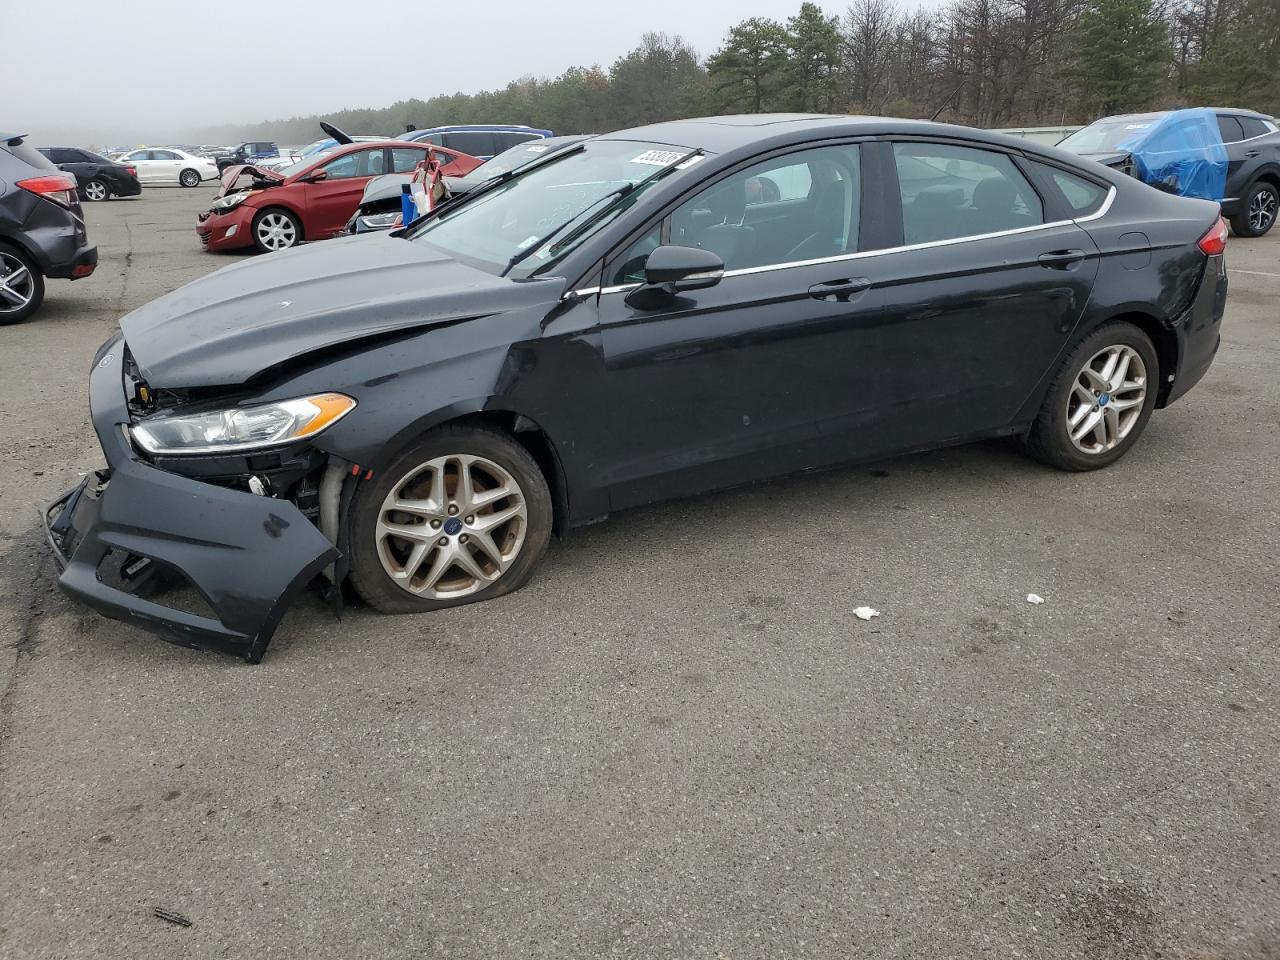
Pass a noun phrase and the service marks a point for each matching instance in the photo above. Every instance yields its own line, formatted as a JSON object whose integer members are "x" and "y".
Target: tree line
{"x": 988, "y": 63}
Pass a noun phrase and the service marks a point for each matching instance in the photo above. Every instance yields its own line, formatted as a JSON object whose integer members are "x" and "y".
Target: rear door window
{"x": 474, "y": 142}
{"x": 403, "y": 161}
{"x": 951, "y": 192}
{"x": 1230, "y": 129}
{"x": 505, "y": 141}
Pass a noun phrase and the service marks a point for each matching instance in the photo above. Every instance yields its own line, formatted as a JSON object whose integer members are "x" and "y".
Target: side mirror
{"x": 671, "y": 270}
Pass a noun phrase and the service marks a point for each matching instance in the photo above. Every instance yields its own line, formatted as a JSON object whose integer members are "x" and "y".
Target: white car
{"x": 167, "y": 165}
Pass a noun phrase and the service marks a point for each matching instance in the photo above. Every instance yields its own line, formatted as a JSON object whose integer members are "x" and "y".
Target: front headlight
{"x": 381, "y": 221}
{"x": 242, "y": 428}
{"x": 230, "y": 201}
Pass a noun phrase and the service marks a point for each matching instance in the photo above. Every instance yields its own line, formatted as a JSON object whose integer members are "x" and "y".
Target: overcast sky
{"x": 134, "y": 70}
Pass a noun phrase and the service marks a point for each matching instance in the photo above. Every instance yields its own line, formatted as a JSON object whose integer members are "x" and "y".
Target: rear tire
{"x": 460, "y": 541}
{"x": 189, "y": 178}
{"x": 1099, "y": 402}
{"x": 96, "y": 190}
{"x": 1258, "y": 210}
{"x": 24, "y": 286}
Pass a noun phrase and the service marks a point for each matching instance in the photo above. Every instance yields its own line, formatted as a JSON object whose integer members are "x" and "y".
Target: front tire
{"x": 96, "y": 190}
{"x": 1099, "y": 402}
{"x": 21, "y": 286}
{"x": 189, "y": 178}
{"x": 1258, "y": 210}
{"x": 275, "y": 229}
{"x": 463, "y": 516}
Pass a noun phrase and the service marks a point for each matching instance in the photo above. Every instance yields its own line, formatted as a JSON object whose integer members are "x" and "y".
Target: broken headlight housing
{"x": 229, "y": 202}
{"x": 241, "y": 428}
{"x": 381, "y": 221}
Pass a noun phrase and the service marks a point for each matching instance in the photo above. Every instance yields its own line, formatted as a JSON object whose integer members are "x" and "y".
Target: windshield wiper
{"x": 453, "y": 203}
{"x": 618, "y": 194}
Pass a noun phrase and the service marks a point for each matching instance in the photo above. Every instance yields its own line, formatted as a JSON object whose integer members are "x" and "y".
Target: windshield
{"x": 497, "y": 226}
{"x": 1107, "y": 135}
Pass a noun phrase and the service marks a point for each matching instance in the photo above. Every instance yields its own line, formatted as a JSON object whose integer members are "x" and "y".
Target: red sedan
{"x": 273, "y": 209}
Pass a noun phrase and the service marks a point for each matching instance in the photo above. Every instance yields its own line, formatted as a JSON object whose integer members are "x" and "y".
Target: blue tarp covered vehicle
{"x": 1181, "y": 152}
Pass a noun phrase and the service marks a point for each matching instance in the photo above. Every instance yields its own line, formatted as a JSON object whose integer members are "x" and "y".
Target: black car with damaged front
{"x": 648, "y": 314}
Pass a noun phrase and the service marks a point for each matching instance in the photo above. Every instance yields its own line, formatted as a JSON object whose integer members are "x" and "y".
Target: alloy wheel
{"x": 1262, "y": 209}
{"x": 276, "y": 231}
{"x": 1106, "y": 399}
{"x": 17, "y": 285}
{"x": 189, "y": 178}
{"x": 451, "y": 527}
{"x": 95, "y": 190}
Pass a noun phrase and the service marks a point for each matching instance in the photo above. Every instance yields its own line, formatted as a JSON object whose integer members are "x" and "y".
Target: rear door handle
{"x": 840, "y": 290}
{"x": 1252, "y": 153}
{"x": 1061, "y": 259}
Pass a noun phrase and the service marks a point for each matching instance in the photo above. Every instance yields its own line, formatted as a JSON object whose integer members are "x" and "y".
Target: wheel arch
{"x": 14, "y": 243}
{"x": 1162, "y": 337}
{"x": 522, "y": 429}
{"x": 287, "y": 208}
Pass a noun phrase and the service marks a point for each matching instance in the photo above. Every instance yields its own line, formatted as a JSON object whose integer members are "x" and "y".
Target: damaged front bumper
{"x": 247, "y": 556}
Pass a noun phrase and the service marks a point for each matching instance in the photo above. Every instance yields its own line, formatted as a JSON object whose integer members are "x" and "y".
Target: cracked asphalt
{"x": 678, "y": 742}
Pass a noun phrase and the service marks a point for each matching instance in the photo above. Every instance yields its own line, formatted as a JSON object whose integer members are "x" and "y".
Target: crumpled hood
{"x": 226, "y": 327}
{"x": 247, "y": 175}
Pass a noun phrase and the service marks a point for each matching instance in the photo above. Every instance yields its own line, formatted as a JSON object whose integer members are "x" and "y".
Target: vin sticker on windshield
{"x": 660, "y": 158}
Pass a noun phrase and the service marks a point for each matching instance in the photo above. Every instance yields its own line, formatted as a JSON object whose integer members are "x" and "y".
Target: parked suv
{"x": 482, "y": 140}
{"x": 1251, "y": 196}
{"x": 248, "y": 152}
{"x": 41, "y": 228}
{"x": 96, "y": 177}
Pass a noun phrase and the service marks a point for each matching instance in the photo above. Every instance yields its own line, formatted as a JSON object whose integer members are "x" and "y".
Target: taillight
{"x": 131, "y": 171}
{"x": 61, "y": 190}
{"x": 1214, "y": 242}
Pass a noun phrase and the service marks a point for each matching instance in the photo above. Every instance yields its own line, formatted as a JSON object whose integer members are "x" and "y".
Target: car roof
{"x": 724, "y": 134}
{"x": 1157, "y": 114}
{"x": 478, "y": 128}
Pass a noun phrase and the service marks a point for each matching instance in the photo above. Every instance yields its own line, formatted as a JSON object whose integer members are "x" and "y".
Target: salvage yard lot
{"x": 678, "y": 741}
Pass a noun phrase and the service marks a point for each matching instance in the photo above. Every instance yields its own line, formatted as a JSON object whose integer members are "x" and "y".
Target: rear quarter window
{"x": 1084, "y": 197}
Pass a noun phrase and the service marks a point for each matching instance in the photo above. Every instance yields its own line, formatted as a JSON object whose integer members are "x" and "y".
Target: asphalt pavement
{"x": 678, "y": 741}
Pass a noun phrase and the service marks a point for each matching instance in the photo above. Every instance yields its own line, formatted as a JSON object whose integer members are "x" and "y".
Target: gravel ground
{"x": 678, "y": 741}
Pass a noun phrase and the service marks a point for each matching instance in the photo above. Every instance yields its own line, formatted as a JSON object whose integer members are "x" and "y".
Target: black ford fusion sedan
{"x": 648, "y": 314}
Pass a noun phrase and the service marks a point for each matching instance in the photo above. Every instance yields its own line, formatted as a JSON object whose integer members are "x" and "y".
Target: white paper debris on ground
{"x": 1034, "y": 598}
{"x": 866, "y": 613}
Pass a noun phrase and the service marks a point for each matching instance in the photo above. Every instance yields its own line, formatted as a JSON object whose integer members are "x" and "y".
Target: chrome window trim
{"x": 864, "y": 254}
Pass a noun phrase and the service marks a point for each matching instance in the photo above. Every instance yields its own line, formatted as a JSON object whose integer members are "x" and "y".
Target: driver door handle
{"x": 840, "y": 290}
{"x": 1061, "y": 259}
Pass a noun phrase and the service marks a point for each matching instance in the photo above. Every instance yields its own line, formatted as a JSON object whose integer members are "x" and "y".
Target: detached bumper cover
{"x": 247, "y": 556}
